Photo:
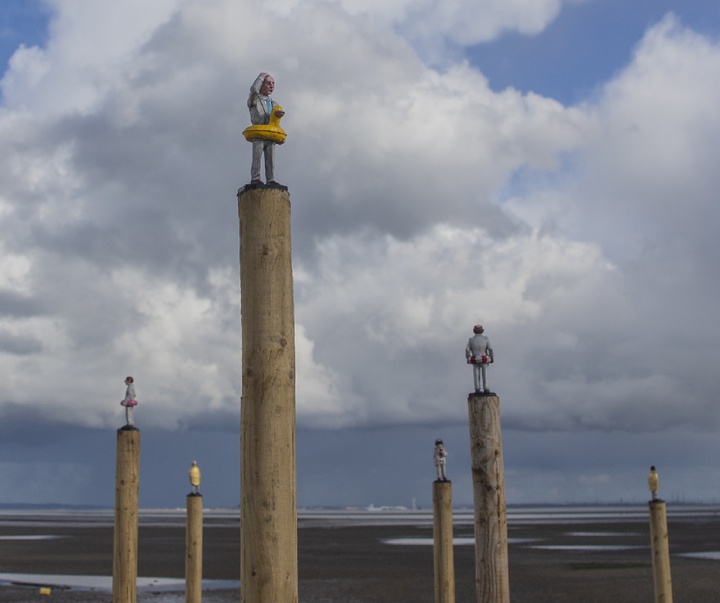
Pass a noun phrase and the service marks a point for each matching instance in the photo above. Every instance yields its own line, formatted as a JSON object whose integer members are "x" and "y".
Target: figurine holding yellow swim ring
{"x": 265, "y": 131}
{"x": 271, "y": 131}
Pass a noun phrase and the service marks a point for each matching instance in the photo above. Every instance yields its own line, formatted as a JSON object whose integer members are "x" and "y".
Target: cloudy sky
{"x": 547, "y": 168}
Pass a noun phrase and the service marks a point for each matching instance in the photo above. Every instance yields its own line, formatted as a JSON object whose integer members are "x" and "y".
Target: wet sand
{"x": 605, "y": 562}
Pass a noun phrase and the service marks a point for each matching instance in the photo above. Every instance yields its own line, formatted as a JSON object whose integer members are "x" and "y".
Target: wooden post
{"x": 492, "y": 583}
{"x": 443, "y": 541}
{"x": 125, "y": 538}
{"x": 660, "y": 551}
{"x": 193, "y": 549}
{"x": 268, "y": 506}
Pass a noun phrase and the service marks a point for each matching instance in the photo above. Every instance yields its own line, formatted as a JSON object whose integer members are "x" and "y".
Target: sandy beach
{"x": 565, "y": 561}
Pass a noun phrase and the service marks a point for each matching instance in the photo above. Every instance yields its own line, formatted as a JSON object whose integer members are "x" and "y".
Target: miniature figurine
{"x": 194, "y": 475}
{"x": 263, "y": 109}
{"x": 479, "y": 353}
{"x": 653, "y": 482}
{"x": 439, "y": 455}
{"x": 129, "y": 402}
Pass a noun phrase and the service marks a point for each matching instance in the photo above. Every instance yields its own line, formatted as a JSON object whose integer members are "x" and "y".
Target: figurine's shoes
{"x": 274, "y": 183}
{"x": 256, "y": 181}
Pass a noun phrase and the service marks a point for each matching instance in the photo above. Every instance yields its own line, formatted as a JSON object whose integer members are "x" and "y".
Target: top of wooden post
{"x": 251, "y": 187}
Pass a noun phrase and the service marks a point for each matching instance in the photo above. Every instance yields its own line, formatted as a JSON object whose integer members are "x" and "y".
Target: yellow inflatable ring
{"x": 272, "y": 131}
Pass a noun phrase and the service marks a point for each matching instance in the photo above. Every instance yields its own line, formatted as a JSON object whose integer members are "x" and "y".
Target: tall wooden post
{"x": 660, "y": 551}
{"x": 443, "y": 541}
{"x": 268, "y": 505}
{"x": 125, "y": 539}
{"x": 492, "y": 583}
{"x": 193, "y": 549}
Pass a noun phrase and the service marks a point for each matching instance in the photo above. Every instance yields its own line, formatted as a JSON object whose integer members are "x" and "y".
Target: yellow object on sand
{"x": 272, "y": 131}
{"x": 45, "y": 590}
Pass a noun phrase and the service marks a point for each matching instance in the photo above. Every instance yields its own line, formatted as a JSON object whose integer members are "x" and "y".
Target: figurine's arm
{"x": 490, "y": 352}
{"x": 255, "y": 89}
{"x": 468, "y": 352}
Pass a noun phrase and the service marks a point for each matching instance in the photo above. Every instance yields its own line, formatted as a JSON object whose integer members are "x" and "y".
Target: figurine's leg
{"x": 438, "y": 467}
{"x": 484, "y": 378}
{"x": 129, "y": 415}
{"x": 476, "y": 376}
{"x": 257, "y": 151}
{"x": 269, "y": 161}
{"x": 444, "y": 475}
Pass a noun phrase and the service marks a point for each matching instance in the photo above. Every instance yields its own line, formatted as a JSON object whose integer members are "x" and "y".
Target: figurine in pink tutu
{"x": 129, "y": 402}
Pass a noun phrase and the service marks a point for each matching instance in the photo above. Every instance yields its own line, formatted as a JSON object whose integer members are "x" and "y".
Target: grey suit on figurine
{"x": 479, "y": 353}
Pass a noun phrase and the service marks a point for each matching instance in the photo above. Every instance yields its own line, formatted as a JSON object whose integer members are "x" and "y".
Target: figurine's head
{"x": 268, "y": 85}
{"x": 194, "y": 463}
{"x": 438, "y": 442}
{"x": 478, "y": 329}
{"x": 129, "y": 380}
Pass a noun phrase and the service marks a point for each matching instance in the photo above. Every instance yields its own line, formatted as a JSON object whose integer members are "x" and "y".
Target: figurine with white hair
{"x": 479, "y": 353}
{"x": 265, "y": 132}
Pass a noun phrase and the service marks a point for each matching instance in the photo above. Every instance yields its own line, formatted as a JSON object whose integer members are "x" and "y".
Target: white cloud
{"x": 473, "y": 22}
{"x": 88, "y": 41}
{"x": 120, "y": 234}
{"x": 392, "y": 317}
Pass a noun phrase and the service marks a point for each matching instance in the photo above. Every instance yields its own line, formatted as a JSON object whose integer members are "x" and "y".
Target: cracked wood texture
{"x": 492, "y": 583}
{"x": 125, "y": 535}
{"x": 193, "y": 549}
{"x": 268, "y": 505}
{"x": 443, "y": 542}
{"x": 660, "y": 551}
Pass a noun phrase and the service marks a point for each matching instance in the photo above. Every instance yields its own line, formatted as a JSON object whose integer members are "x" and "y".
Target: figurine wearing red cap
{"x": 479, "y": 353}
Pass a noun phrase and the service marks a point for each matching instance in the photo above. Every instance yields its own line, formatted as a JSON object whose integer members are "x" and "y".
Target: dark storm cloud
{"x": 18, "y": 344}
{"x": 17, "y": 304}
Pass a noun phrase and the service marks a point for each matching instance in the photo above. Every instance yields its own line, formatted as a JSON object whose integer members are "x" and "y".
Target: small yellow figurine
{"x": 194, "y": 475}
{"x": 653, "y": 482}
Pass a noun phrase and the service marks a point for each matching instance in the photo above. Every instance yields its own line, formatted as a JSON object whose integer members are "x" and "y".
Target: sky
{"x": 546, "y": 168}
